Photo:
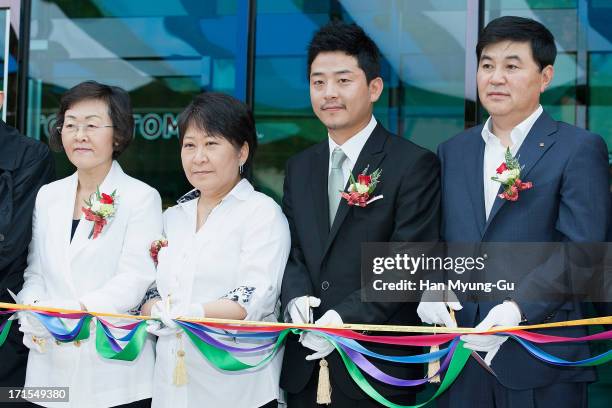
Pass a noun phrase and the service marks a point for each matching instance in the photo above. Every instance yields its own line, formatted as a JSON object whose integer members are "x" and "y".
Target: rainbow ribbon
{"x": 205, "y": 335}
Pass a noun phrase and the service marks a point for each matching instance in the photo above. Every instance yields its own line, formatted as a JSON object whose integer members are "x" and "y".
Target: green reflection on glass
{"x": 600, "y": 92}
{"x": 559, "y": 99}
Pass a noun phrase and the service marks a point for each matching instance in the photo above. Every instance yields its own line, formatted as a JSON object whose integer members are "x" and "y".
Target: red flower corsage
{"x": 100, "y": 207}
{"x": 155, "y": 247}
{"x": 509, "y": 175}
{"x": 360, "y": 191}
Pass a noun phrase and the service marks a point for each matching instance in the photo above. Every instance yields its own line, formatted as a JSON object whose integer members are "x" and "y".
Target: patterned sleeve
{"x": 263, "y": 255}
{"x": 151, "y": 294}
{"x": 241, "y": 295}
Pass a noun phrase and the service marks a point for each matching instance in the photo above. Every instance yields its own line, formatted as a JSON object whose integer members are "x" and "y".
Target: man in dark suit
{"x": 322, "y": 276}
{"x": 25, "y": 165}
{"x": 569, "y": 201}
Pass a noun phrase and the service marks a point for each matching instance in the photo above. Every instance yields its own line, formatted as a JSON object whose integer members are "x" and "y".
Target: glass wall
{"x": 285, "y": 121}
{"x": 598, "y": 15}
{"x": 162, "y": 52}
{"x": 9, "y": 60}
{"x": 422, "y": 44}
{"x": 166, "y": 51}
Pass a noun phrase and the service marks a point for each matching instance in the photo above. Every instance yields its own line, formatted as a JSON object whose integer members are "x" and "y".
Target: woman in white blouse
{"x": 108, "y": 271}
{"x": 226, "y": 254}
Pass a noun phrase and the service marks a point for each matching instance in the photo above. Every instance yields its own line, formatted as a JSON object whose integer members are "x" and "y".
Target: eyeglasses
{"x": 71, "y": 129}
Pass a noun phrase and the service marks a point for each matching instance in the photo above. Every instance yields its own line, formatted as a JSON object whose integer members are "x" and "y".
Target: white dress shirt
{"x": 239, "y": 253}
{"x": 495, "y": 151}
{"x": 352, "y": 148}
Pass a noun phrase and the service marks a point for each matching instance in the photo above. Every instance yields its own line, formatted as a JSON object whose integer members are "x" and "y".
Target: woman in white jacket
{"x": 227, "y": 249}
{"x": 73, "y": 265}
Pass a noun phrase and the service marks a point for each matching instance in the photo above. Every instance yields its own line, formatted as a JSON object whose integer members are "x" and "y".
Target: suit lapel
{"x": 371, "y": 155}
{"x": 537, "y": 142}
{"x": 60, "y": 215}
{"x": 474, "y": 157}
{"x": 319, "y": 172}
{"x": 80, "y": 238}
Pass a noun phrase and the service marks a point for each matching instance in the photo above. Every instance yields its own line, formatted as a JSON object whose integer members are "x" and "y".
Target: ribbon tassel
{"x": 434, "y": 366}
{"x": 324, "y": 385}
{"x": 180, "y": 369}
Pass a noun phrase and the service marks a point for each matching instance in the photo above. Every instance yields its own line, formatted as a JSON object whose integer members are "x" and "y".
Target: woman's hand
{"x": 146, "y": 308}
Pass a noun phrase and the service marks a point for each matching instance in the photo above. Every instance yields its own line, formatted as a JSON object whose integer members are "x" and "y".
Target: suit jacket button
{"x": 485, "y": 256}
{"x": 325, "y": 285}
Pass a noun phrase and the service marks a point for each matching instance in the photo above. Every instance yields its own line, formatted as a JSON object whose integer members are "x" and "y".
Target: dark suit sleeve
{"x": 584, "y": 217}
{"x": 417, "y": 219}
{"x": 38, "y": 170}
{"x": 296, "y": 280}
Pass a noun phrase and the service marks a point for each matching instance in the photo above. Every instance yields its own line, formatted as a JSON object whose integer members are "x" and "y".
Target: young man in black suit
{"x": 322, "y": 278}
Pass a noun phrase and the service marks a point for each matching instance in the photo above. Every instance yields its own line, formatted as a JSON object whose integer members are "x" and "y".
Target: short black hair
{"x": 520, "y": 29}
{"x": 350, "y": 39}
{"x": 222, "y": 115}
{"x": 119, "y": 110}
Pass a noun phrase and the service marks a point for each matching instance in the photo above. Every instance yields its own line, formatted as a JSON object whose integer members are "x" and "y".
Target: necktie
{"x": 335, "y": 183}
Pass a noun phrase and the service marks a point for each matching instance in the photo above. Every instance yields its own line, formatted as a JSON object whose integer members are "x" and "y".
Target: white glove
{"x": 28, "y": 323}
{"x": 155, "y": 327}
{"x": 504, "y": 314}
{"x": 167, "y": 313}
{"x": 317, "y": 342}
{"x": 35, "y": 334}
{"x": 33, "y": 326}
{"x": 435, "y": 312}
{"x": 300, "y": 309}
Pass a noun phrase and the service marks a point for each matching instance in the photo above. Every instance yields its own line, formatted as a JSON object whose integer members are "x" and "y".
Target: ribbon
{"x": 458, "y": 360}
{"x": 201, "y": 334}
{"x": 376, "y": 373}
{"x": 99, "y": 222}
{"x": 107, "y": 346}
{"x": 548, "y": 358}
{"x": 223, "y": 359}
{"x": 247, "y": 325}
{"x": 5, "y": 327}
{"x": 60, "y": 332}
{"x": 204, "y": 334}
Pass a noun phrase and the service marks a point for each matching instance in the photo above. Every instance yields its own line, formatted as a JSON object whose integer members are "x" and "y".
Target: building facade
{"x": 166, "y": 51}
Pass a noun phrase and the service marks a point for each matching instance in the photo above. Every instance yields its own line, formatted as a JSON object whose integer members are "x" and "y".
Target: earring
{"x": 241, "y": 168}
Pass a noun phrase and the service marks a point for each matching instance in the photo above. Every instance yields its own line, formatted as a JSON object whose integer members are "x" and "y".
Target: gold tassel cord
{"x": 42, "y": 343}
{"x": 434, "y": 366}
{"x": 179, "y": 376}
{"x": 324, "y": 386}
